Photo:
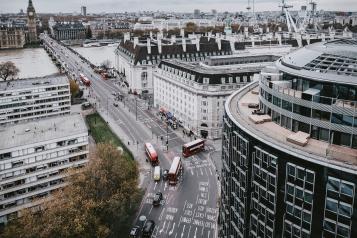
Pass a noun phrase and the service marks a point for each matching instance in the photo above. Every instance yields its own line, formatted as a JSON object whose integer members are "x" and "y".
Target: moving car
{"x": 157, "y": 173}
{"x": 134, "y": 232}
{"x": 157, "y": 199}
{"x": 165, "y": 174}
{"x": 115, "y": 104}
{"x": 148, "y": 228}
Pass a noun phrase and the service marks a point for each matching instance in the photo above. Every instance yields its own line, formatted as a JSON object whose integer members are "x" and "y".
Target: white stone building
{"x": 34, "y": 159}
{"x": 28, "y": 99}
{"x": 195, "y": 92}
{"x": 137, "y": 58}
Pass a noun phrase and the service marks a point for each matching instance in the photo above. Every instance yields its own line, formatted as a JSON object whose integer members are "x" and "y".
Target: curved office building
{"x": 290, "y": 148}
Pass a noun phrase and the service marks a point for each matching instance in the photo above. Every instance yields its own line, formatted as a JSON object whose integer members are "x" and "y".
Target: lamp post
{"x": 136, "y": 109}
{"x": 167, "y": 135}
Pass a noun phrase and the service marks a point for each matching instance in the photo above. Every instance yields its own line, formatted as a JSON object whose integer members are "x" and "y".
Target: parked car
{"x": 148, "y": 228}
{"x": 157, "y": 199}
{"x": 115, "y": 104}
{"x": 165, "y": 174}
{"x": 134, "y": 232}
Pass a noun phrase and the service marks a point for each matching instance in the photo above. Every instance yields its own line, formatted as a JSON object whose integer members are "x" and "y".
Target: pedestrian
{"x": 128, "y": 142}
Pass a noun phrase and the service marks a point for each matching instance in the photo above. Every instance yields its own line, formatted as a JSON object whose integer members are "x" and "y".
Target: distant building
{"x": 32, "y": 99}
{"x": 197, "y": 13}
{"x": 31, "y": 23}
{"x": 11, "y": 38}
{"x": 68, "y": 31}
{"x": 34, "y": 159}
{"x": 195, "y": 92}
{"x": 84, "y": 11}
{"x": 137, "y": 59}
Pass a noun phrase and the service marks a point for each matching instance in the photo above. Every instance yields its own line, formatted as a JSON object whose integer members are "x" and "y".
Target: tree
{"x": 191, "y": 27}
{"x": 74, "y": 88}
{"x": 105, "y": 64}
{"x": 99, "y": 202}
{"x": 89, "y": 33}
{"x": 8, "y": 69}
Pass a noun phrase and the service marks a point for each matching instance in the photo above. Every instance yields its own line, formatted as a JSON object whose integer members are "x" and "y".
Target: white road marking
{"x": 210, "y": 171}
{"x": 183, "y": 230}
{"x": 209, "y": 231}
{"x": 195, "y": 232}
{"x": 155, "y": 185}
{"x": 168, "y": 226}
{"x": 189, "y": 230}
{"x": 202, "y": 232}
{"x": 206, "y": 171}
{"x": 150, "y": 209}
{"x": 201, "y": 171}
{"x": 161, "y": 214}
{"x": 163, "y": 227}
{"x": 172, "y": 229}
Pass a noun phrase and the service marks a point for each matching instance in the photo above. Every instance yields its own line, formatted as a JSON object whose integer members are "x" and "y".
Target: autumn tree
{"x": 74, "y": 88}
{"x": 8, "y": 69}
{"x": 191, "y": 27}
{"x": 99, "y": 202}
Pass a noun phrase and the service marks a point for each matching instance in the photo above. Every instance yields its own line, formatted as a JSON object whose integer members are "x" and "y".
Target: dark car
{"x": 165, "y": 174}
{"x": 115, "y": 104}
{"x": 148, "y": 228}
{"x": 157, "y": 199}
{"x": 134, "y": 232}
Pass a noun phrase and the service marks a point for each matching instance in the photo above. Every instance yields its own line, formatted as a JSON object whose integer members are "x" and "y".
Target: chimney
{"x": 182, "y": 32}
{"x": 279, "y": 39}
{"x": 198, "y": 44}
{"x": 148, "y": 44}
{"x": 184, "y": 45}
{"x": 253, "y": 42}
{"x": 219, "y": 43}
{"x": 126, "y": 36}
{"x": 159, "y": 46}
{"x": 136, "y": 41}
{"x": 323, "y": 37}
{"x": 173, "y": 39}
{"x": 150, "y": 34}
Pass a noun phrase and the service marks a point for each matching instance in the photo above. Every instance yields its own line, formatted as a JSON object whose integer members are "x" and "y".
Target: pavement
{"x": 189, "y": 209}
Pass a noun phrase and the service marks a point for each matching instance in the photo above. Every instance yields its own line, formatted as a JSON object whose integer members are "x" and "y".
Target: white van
{"x": 157, "y": 173}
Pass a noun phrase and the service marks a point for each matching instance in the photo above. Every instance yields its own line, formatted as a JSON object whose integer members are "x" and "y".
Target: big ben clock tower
{"x": 31, "y": 23}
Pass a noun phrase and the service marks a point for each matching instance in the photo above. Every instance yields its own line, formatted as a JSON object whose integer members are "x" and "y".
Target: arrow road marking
{"x": 195, "y": 232}
{"x": 183, "y": 231}
{"x": 189, "y": 230}
{"x": 162, "y": 229}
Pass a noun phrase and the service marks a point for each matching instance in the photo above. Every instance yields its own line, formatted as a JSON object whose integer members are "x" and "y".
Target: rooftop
{"x": 42, "y": 130}
{"x": 324, "y": 61}
{"x": 276, "y": 136}
{"x": 33, "y": 82}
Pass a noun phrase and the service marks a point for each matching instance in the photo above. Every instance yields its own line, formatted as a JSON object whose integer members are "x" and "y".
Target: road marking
{"x": 210, "y": 171}
{"x": 209, "y": 231}
{"x": 150, "y": 209}
{"x": 189, "y": 230}
{"x": 184, "y": 205}
{"x": 191, "y": 171}
{"x": 202, "y": 232}
{"x": 206, "y": 171}
{"x": 162, "y": 229}
{"x": 168, "y": 226}
{"x": 172, "y": 229}
{"x": 155, "y": 186}
{"x": 175, "y": 235}
{"x": 201, "y": 171}
{"x": 183, "y": 230}
{"x": 162, "y": 213}
{"x": 195, "y": 232}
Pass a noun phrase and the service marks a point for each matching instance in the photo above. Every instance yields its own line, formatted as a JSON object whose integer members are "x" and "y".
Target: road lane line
{"x": 168, "y": 226}
{"x": 163, "y": 227}
{"x": 189, "y": 230}
{"x": 172, "y": 229}
{"x": 210, "y": 171}
{"x": 195, "y": 232}
{"x": 206, "y": 171}
{"x": 161, "y": 214}
{"x": 209, "y": 231}
{"x": 150, "y": 209}
{"x": 202, "y": 232}
{"x": 183, "y": 230}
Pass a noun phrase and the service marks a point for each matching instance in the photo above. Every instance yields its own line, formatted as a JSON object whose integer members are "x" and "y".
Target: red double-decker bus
{"x": 84, "y": 79}
{"x": 151, "y": 154}
{"x": 175, "y": 171}
{"x": 193, "y": 147}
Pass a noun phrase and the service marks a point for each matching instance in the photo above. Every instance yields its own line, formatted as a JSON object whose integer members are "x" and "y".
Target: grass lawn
{"x": 101, "y": 132}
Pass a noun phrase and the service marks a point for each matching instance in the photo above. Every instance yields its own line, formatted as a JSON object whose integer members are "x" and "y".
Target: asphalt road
{"x": 188, "y": 209}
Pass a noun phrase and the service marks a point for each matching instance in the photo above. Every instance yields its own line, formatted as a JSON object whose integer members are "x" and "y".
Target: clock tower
{"x": 31, "y": 23}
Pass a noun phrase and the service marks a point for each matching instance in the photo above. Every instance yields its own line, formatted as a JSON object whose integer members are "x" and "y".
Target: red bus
{"x": 193, "y": 147}
{"x": 151, "y": 154}
{"x": 84, "y": 80}
{"x": 175, "y": 171}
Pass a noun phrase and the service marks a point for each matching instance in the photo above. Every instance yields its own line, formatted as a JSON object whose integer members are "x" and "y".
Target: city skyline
{"x": 98, "y": 6}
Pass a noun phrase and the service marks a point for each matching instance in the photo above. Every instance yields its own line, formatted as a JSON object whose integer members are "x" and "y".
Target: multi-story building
{"x": 137, "y": 58}
{"x": 28, "y": 99}
{"x": 84, "y": 11}
{"x": 34, "y": 159}
{"x": 68, "y": 30}
{"x": 195, "y": 92}
{"x": 11, "y": 38}
{"x": 290, "y": 168}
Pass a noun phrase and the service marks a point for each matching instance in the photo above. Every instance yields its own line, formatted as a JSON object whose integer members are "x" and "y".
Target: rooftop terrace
{"x": 276, "y": 136}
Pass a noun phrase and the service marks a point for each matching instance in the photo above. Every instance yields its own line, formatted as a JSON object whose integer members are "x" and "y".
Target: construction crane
{"x": 289, "y": 20}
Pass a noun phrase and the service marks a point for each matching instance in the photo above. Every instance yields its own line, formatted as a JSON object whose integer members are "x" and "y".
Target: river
{"x": 97, "y": 55}
{"x": 32, "y": 62}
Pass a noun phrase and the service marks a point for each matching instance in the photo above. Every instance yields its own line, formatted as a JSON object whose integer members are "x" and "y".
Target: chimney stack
{"x": 219, "y": 43}
{"x": 150, "y": 34}
{"x": 159, "y": 46}
{"x": 126, "y": 36}
{"x": 173, "y": 39}
{"x": 182, "y": 32}
{"x": 198, "y": 44}
{"x": 148, "y": 44}
{"x": 136, "y": 41}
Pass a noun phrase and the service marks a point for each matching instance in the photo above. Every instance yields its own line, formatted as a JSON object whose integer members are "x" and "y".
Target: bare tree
{"x": 105, "y": 64}
{"x": 8, "y": 69}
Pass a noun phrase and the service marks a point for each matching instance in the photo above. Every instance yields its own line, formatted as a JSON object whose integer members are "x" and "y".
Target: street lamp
{"x": 136, "y": 108}
{"x": 167, "y": 135}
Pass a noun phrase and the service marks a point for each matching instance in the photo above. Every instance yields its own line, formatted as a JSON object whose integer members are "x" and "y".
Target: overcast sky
{"x": 97, "y": 6}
